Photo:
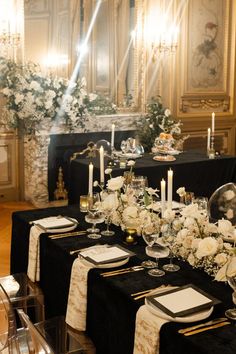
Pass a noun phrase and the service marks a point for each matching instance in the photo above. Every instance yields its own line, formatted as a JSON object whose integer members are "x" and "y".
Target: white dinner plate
{"x": 184, "y": 319}
{"x": 129, "y": 155}
{"x": 60, "y": 229}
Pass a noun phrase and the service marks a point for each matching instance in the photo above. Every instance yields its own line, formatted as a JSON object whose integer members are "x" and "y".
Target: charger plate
{"x": 163, "y": 158}
{"x": 184, "y": 319}
{"x": 72, "y": 224}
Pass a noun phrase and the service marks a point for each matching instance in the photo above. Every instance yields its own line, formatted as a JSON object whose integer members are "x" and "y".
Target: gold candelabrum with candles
{"x": 60, "y": 192}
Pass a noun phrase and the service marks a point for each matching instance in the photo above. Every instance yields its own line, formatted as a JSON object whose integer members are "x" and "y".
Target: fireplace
{"x": 62, "y": 147}
{"x": 50, "y": 149}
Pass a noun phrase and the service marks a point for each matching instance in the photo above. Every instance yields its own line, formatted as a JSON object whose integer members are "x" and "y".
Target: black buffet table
{"x": 192, "y": 170}
{"x": 111, "y": 310}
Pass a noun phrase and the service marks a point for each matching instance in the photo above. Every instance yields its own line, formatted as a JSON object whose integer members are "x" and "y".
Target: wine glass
{"x": 108, "y": 202}
{"x": 157, "y": 251}
{"x": 108, "y": 232}
{"x": 94, "y": 216}
{"x": 150, "y": 240}
{"x": 168, "y": 237}
{"x": 231, "y": 278}
{"x": 202, "y": 203}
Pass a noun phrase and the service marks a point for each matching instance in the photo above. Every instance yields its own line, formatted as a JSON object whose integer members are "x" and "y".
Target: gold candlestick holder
{"x": 211, "y": 152}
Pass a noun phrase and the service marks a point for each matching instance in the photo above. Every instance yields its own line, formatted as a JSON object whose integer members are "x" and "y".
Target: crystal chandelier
{"x": 11, "y": 27}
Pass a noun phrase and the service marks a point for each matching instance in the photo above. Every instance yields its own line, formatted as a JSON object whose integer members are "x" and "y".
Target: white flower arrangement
{"x": 34, "y": 99}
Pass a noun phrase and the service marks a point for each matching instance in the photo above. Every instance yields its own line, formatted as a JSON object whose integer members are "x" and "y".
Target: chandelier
{"x": 11, "y": 27}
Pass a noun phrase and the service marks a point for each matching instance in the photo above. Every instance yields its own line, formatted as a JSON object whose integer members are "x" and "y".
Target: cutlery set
{"x": 144, "y": 293}
{"x": 122, "y": 271}
{"x": 68, "y": 234}
{"x": 202, "y": 327}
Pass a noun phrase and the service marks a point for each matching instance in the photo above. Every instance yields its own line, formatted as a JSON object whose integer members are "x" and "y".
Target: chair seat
{"x": 23, "y": 293}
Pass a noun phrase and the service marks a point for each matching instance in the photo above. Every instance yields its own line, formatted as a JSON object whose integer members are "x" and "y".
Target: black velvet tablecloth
{"x": 192, "y": 170}
{"x": 111, "y": 310}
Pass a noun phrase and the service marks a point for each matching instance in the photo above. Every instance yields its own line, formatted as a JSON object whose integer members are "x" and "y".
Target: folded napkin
{"x": 33, "y": 270}
{"x": 147, "y": 332}
{"x": 40, "y": 226}
{"x": 77, "y": 300}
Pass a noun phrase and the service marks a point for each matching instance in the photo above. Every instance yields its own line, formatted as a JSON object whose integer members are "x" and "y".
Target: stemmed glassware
{"x": 231, "y": 278}
{"x": 150, "y": 240}
{"x": 157, "y": 251}
{"x": 108, "y": 207}
{"x": 94, "y": 216}
{"x": 168, "y": 237}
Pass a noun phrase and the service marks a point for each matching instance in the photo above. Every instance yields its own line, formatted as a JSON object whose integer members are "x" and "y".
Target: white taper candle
{"x": 90, "y": 182}
{"x": 102, "y": 165}
{"x": 163, "y": 197}
{"x": 169, "y": 188}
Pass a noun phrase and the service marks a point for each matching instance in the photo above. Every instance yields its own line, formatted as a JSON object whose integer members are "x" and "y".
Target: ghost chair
{"x": 50, "y": 336}
{"x": 222, "y": 203}
{"x": 23, "y": 293}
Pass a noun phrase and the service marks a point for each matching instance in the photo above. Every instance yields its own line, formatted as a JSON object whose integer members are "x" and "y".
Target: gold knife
{"x": 120, "y": 270}
{"x": 76, "y": 233}
{"x": 215, "y": 321}
{"x": 123, "y": 272}
{"x": 149, "y": 291}
{"x": 218, "y": 325}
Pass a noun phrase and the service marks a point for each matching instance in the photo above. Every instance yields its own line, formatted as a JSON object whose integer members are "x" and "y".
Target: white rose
{"x": 130, "y": 212}
{"x": 131, "y": 163}
{"x": 169, "y": 214}
{"x": 115, "y": 183}
{"x": 229, "y": 195}
{"x": 229, "y": 214}
{"x": 191, "y": 259}
{"x": 110, "y": 202}
{"x": 167, "y": 112}
{"x": 95, "y": 183}
{"x": 181, "y": 235}
{"x": 189, "y": 222}
{"x": 108, "y": 171}
{"x": 225, "y": 228}
{"x": 177, "y": 225}
{"x": 211, "y": 228}
{"x": 207, "y": 247}
{"x": 181, "y": 191}
{"x": 187, "y": 242}
{"x": 190, "y": 210}
{"x": 92, "y": 96}
{"x": 34, "y": 85}
{"x": 220, "y": 259}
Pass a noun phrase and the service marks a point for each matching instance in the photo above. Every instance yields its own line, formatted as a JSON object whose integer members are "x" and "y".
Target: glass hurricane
{"x": 231, "y": 278}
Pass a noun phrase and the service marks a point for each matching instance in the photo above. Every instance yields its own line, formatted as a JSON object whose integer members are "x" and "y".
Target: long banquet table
{"x": 111, "y": 310}
{"x": 192, "y": 169}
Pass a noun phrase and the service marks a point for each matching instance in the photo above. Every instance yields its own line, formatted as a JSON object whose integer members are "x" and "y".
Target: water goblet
{"x": 150, "y": 239}
{"x": 231, "y": 278}
{"x": 157, "y": 251}
{"x": 108, "y": 232}
{"x": 202, "y": 203}
{"x": 123, "y": 146}
{"x": 94, "y": 216}
{"x": 168, "y": 237}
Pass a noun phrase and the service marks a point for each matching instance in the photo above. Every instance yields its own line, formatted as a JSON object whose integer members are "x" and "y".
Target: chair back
{"x": 222, "y": 203}
{"x": 37, "y": 343}
{"x": 8, "y": 329}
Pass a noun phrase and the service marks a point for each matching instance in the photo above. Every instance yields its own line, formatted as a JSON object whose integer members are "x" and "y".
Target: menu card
{"x": 54, "y": 222}
{"x": 106, "y": 254}
{"x": 183, "y": 301}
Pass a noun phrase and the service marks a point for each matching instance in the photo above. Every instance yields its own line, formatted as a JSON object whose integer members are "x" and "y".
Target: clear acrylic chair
{"x": 52, "y": 336}
{"x": 222, "y": 203}
{"x": 25, "y": 294}
{"x": 8, "y": 329}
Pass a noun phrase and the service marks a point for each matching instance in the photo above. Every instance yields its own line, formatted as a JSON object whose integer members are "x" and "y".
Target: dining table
{"x": 111, "y": 308}
{"x": 191, "y": 169}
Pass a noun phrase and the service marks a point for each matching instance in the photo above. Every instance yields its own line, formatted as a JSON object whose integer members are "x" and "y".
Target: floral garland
{"x": 33, "y": 99}
{"x": 195, "y": 239}
{"x": 158, "y": 119}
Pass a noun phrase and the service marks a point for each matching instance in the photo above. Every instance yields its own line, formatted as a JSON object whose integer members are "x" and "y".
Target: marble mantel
{"x": 36, "y": 152}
